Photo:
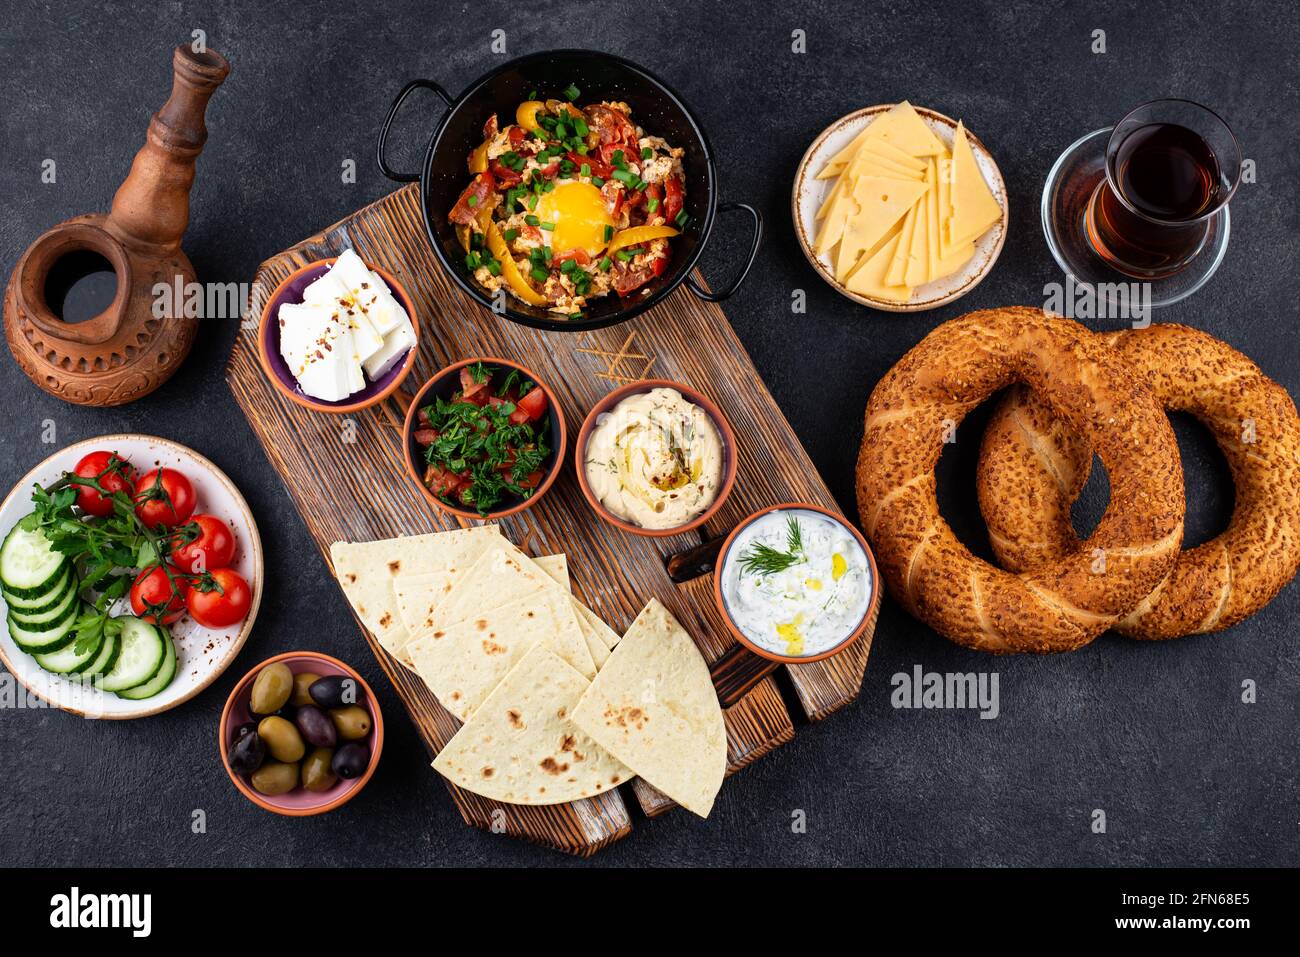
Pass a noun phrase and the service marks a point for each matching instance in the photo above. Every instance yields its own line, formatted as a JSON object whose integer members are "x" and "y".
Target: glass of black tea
{"x": 1170, "y": 166}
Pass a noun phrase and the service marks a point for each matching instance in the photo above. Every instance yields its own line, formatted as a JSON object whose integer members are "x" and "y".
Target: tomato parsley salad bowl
{"x": 514, "y": 143}
{"x": 339, "y": 328}
{"x": 484, "y": 438}
{"x": 131, "y": 575}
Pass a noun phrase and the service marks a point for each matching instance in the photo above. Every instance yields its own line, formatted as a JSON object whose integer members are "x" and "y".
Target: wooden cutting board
{"x": 346, "y": 476}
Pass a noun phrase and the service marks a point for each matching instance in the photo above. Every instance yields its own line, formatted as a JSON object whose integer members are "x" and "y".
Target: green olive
{"x": 301, "y": 683}
{"x": 271, "y": 689}
{"x": 274, "y": 777}
{"x": 281, "y": 738}
{"x": 352, "y": 722}
{"x": 316, "y": 772}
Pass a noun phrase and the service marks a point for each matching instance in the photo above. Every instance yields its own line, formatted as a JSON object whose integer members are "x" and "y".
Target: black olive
{"x": 247, "y": 753}
{"x": 351, "y": 760}
{"x": 335, "y": 691}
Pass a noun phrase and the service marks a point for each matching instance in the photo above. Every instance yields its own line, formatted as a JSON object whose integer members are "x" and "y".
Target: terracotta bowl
{"x": 868, "y": 622}
{"x": 300, "y": 802}
{"x": 277, "y": 370}
{"x": 443, "y": 384}
{"x": 691, "y": 395}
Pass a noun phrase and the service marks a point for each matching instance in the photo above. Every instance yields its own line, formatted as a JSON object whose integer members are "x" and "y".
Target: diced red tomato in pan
{"x": 603, "y": 170}
{"x": 673, "y": 195}
{"x": 482, "y": 191}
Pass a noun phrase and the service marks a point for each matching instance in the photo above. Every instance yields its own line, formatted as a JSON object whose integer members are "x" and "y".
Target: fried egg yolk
{"x": 579, "y": 215}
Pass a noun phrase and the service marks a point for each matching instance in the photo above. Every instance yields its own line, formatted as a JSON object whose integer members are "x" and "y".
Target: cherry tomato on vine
{"x": 213, "y": 548}
{"x": 164, "y": 497}
{"x": 114, "y": 474}
{"x": 220, "y": 599}
{"x": 153, "y": 593}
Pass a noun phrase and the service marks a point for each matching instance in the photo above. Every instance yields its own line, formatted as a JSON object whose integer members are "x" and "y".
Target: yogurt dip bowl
{"x": 796, "y": 583}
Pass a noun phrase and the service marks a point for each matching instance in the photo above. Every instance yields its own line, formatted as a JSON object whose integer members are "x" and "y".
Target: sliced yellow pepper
{"x": 478, "y": 159}
{"x": 497, "y": 244}
{"x": 482, "y": 218}
{"x": 637, "y": 235}
{"x": 526, "y": 115}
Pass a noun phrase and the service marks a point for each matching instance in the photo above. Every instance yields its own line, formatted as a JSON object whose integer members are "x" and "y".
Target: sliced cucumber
{"x": 105, "y": 660}
{"x": 44, "y": 640}
{"x": 29, "y": 567}
{"x": 159, "y": 681}
{"x": 144, "y": 649}
{"x": 36, "y": 621}
{"x": 44, "y": 601}
{"x": 67, "y": 660}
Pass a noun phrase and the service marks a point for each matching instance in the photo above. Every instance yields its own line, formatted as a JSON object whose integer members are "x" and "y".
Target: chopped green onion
{"x": 609, "y": 233}
{"x": 617, "y": 159}
{"x": 511, "y": 235}
{"x": 471, "y": 260}
{"x": 624, "y": 255}
{"x": 532, "y": 220}
{"x": 541, "y": 275}
{"x": 585, "y": 169}
{"x": 682, "y": 219}
{"x": 623, "y": 176}
{"x": 532, "y": 202}
{"x": 572, "y": 92}
{"x": 546, "y": 253}
{"x": 569, "y": 265}
{"x": 652, "y": 204}
{"x": 532, "y": 94}
{"x": 494, "y": 268}
{"x": 604, "y": 264}
{"x": 597, "y": 181}
{"x": 581, "y": 126}
{"x": 472, "y": 201}
{"x": 646, "y": 152}
{"x": 549, "y": 227}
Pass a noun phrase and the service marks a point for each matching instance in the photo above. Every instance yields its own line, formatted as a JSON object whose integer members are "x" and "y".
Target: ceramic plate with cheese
{"x": 338, "y": 335}
{"x": 900, "y": 208}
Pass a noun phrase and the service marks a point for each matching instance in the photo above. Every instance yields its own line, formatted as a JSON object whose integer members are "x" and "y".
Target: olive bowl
{"x": 299, "y": 802}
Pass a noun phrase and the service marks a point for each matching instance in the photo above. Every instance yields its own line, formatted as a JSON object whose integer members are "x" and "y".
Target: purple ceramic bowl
{"x": 277, "y": 370}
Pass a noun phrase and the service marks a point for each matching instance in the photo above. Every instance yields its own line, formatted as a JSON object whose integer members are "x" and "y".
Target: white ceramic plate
{"x": 202, "y": 653}
{"x": 809, "y": 193}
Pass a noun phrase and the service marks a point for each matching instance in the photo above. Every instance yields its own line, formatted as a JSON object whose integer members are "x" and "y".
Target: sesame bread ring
{"x": 1059, "y": 605}
{"x": 1032, "y": 468}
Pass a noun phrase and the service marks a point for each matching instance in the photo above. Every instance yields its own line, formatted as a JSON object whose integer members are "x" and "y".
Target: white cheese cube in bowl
{"x": 396, "y": 344}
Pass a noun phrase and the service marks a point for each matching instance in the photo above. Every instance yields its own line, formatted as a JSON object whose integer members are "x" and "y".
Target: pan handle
{"x": 388, "y": 122}
{"x": 726, "y": 291}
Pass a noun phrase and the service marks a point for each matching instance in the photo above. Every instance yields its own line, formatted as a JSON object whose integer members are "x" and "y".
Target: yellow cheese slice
{"x": 945, "y": 203}
{"x": 917, "y": 270}
{"x": 888, "y": 150}
{"x": 973, "y": 207}
{"x": 872, "y": 164}
{"x": 884, "y": 240}
{"x": 881, "y": 202}
{"x": 932, "y": 255}
{"x": 842, "y": 206}
{"x": 870, "y": 279}
{"x": 889, "y": 156}
{"x": 898, "y": 264}
{"x": 955, "y": 259}
{"x": 903, "y": 128}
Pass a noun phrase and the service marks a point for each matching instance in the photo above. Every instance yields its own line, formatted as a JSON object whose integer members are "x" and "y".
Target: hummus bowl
{"x": 718, "y": 456}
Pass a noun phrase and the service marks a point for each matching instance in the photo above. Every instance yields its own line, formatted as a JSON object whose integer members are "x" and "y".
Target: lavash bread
{"x": 1033, "y": 466}
{"x": 521, "y": 745}
{"x": 653, "y": 706}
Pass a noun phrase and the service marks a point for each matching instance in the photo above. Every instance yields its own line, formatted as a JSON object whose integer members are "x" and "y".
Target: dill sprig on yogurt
{"x": 762, "y": 559}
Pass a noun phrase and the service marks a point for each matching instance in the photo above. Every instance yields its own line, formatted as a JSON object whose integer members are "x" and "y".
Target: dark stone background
{"x": 1156, "y": 735}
